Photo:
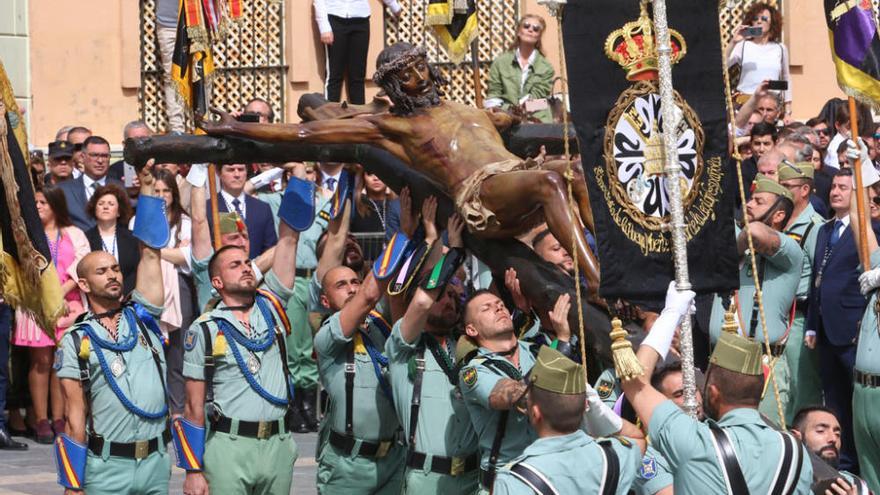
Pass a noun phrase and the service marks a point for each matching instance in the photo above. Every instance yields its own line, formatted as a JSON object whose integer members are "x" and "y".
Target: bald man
{"x": 112, "y": 370}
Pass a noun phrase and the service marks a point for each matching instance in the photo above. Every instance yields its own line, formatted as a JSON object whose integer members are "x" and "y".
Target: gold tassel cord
{"x": 626, "y": 364}
{"x": 758, "y": 293}
{"x": 569, "y": 177}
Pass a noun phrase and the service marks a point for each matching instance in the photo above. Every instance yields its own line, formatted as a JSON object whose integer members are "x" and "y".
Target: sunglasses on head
{"x": 531, "y": 27}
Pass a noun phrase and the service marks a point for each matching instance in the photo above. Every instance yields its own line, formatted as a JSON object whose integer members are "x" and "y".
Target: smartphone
{"x": 753, "y": 32}
{"x": 777, "y": 85}
{"x": 536, "y": 105}
{"x": 129, "y": 174}
{"x": 249, "y": 117}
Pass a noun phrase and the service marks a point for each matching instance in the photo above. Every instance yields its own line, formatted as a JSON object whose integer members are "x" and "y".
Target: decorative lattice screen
{"x": 250, "y": 62}
{"x": 497, "y": 20}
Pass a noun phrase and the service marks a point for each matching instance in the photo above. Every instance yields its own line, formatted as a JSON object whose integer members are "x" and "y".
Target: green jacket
{"x": 505, "y": 76}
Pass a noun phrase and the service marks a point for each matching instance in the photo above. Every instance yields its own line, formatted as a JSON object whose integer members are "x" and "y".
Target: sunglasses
{"x": 876, "y": 200}
{"x": 824, "y": 132}
{"x": 528, "y": 26}
{"x": 762, "y": 18}
{"x": 877, "y": 136}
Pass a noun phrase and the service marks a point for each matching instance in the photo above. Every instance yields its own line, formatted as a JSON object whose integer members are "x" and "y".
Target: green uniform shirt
{"x": 653, "y": 475}
{"x": 779, "y": 283}
{"x": 797, "y": 231}
{"x": 373, "y": 415}
{"x": 233, "y": 395}
{"x": 688, "y": 447}
{"x": 140, "y": 381}
{"x": 505, "y": 82}
{"x": 444, "y": 426}
{"x": 868, "y": 349}
{"x": 308, "y": 239}
{"x": 572, "y": 463}
{"x": 476, "y": 382}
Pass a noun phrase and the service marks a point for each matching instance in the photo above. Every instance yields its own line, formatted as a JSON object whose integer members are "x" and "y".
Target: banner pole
{"x": 215, "y": 212}
{"x": 671, "y": 117}
{"x": 478, "y": 80}
{"x": 860, "y": 196}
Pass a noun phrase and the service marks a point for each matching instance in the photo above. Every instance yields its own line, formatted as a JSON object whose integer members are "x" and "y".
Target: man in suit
{"x": 835, "y": 308}
{"x": 77, "y": 192}
{"x": 257, "y": 214}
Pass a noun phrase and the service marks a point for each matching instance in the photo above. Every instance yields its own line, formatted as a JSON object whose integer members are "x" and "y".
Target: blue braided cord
{"x": 124, "y": 346}
{"x": 111, "y": 380}
{"x": 379, "y": 361}
{"x": 250, "y": 344}
{"x": 150, "y": 322}
{"x": 225, "y": 326}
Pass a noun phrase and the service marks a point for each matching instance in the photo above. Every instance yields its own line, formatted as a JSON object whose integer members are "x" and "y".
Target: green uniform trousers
{"x": 866, "y": 430}
{"x": 118, "y": 475}
{"x": 249, "y": 466}
{"x": 782, "y": 376}
{"x": 806, "y": 384}
{"x": 419, "y": 481}
{"x": 356, "y": 475}
{"x": 300, "y": 350}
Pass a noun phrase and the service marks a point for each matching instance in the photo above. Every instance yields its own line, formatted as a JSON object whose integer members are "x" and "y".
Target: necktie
{"x": 835, "y": 233}
{"x": 237, "y": 205}
{"x": 330, "y": 184}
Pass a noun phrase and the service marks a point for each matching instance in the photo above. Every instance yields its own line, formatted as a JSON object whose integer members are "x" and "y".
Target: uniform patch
{"x": 604, "y": 389}
{"x": 59, "y": 359}
{"x": 649, "y": 468}
{"x": 469, "y": 376}
{"x": 189, "y": 342}
{"x": 324, "y": 215}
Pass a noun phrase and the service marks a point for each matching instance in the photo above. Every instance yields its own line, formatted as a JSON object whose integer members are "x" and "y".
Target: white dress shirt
{"x": 327, "y": 177}
{"x": 90, "y": 186}
{"x": 346, "y": 9}
{"x": 228, "y": 198}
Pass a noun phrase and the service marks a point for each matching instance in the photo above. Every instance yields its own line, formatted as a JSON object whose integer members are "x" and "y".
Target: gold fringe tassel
{"x": 626, "y": 364}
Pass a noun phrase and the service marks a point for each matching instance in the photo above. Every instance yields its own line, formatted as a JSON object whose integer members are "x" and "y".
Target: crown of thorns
{"x": 401, "y": 61}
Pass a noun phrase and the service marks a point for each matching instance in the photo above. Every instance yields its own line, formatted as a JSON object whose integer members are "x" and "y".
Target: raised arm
{"x": 284, "y": 263}
{"x": 149, "y": 271}
{"x": 764, "y": 238}
{"x": 355, "y": 130}
{"x": 201, "y": 232}
{"x": 352, "y": 315}
{"x": 334, "y": 245}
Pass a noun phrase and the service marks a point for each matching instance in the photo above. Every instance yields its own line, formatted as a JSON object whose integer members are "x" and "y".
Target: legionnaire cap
{"x": 231, "y": 223}
{"x": 59, "y": 149}
{"x": 800, "y": 170}
{"x": 738, "y": 354}
{"x": 764, "y": 185}
{"x": 556, "y": 373}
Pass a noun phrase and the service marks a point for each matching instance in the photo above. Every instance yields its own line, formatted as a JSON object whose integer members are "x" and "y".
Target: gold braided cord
{"x": 759, "y": 296}
{"x": 569, "y": 178}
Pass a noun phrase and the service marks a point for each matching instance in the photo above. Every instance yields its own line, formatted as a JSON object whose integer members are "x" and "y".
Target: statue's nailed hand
{"x": 214, "y": 126}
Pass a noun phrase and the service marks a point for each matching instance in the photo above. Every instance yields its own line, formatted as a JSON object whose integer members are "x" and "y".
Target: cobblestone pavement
{"x": 32, "y": 472}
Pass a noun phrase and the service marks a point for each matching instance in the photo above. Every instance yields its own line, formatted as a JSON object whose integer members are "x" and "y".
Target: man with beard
{"x": 779, "y": 260}
{"x": 498, "y": 194}
{"x": 564, "y": 459}
{"x": 819, "y": 430}
{"x": 235, "y": 365}
{"x": 361, "y": 454}
{"x": 112, "y": 370}
{"x": 443, "y": 456}
{"x": 734, "y": 451}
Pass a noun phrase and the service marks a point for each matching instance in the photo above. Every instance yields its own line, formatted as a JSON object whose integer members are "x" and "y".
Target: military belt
{"x": 250, "y": 429}
{"x": 866, "y": 379}
{"x": 776, "y": 350}
{"x": 134, "y": 450}
{"x": 304, "y": 272}
{"x": 347, "y": 443}
{"x": 453, "y": 466}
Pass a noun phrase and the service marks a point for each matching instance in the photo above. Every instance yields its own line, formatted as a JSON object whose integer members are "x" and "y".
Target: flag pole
{"x": 860, "y": 196}
{"x": 478, "y": 81}
{"x": 671, "y": 116}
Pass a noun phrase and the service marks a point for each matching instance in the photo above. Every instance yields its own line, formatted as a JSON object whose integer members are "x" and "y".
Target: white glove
{"x": 869, "y": 173}
{"x": 599, "y": 420}
{"x": 198, "y": 174}
{"x": 266, "y": 177}
{"x": 869, "y": 281}
{"x": 678, "y": 305}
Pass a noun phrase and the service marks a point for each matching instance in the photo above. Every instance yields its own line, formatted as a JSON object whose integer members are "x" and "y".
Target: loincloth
{"x": 477, "y": 217}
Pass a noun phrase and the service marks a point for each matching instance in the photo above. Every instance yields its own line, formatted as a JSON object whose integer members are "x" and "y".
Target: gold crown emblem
{"x": 633, "y": 47}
